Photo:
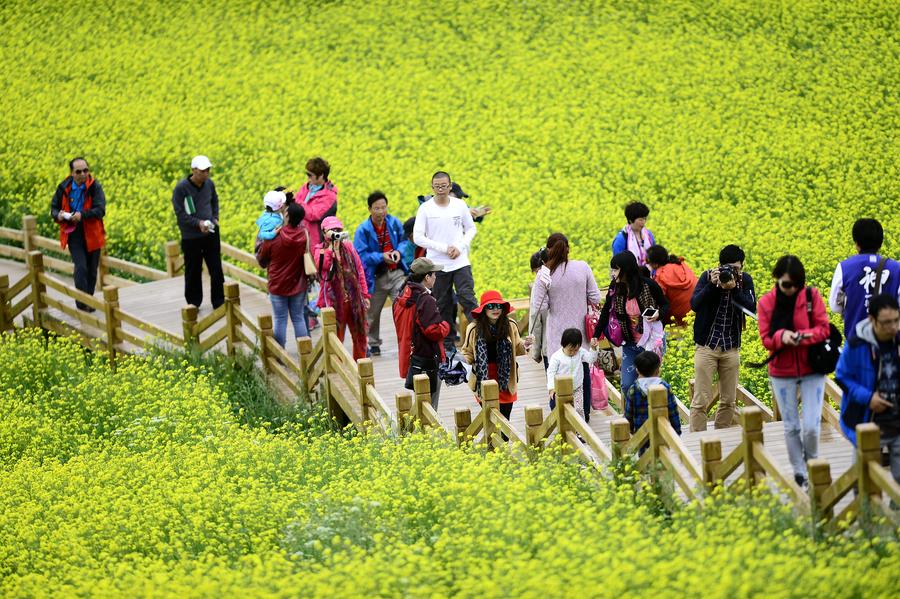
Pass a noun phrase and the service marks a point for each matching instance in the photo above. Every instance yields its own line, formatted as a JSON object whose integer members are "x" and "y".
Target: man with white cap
{"x": 196, "y": 206}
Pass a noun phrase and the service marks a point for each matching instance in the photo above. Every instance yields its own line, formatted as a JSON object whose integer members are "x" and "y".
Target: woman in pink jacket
{"x": 343, "y": 284}
{"x": 318, "y": 196}
{"x": 791, "y": 318}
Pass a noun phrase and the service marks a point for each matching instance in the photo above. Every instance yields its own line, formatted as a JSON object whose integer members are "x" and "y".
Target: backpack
{"x": 404, "y": 313}
{"x": 823, "y": 357}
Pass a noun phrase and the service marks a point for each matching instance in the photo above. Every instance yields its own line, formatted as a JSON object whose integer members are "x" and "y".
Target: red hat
{"x": 492, "y": 297}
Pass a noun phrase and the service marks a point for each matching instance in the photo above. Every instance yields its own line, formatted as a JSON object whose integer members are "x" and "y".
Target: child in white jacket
{"x": 567, "y": 361}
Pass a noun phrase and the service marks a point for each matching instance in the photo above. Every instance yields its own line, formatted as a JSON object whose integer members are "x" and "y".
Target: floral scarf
{"x": 343, "y": 292}
{"x": 504, "y": 360}
{"x": 636, "y": 246}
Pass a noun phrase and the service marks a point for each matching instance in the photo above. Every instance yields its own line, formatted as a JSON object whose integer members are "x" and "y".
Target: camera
{"x": 338, "y": 235}
{"x": 726, "y": 273}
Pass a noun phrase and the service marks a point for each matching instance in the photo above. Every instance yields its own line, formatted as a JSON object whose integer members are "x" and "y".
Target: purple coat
{"x": 565, "y": 301}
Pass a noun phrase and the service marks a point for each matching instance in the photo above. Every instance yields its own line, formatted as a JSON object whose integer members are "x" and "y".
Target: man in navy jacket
{"x": 869, "y": 373}
{"x": 380, "y": 243}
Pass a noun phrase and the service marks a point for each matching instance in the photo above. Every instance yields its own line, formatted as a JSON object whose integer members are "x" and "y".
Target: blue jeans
{"x": 282, "y": 305}
{"x": 629, "y": 374}
{"x": 801, "y": 431}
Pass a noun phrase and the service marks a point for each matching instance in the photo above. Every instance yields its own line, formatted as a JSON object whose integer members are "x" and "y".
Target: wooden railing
{"x": 325, "y": 370}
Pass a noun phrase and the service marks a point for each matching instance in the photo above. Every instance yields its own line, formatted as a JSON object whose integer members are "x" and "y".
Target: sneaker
{"x": 800, "y": 480}
{"x": 85, "y": 308}
{"x": 374, "y": 350}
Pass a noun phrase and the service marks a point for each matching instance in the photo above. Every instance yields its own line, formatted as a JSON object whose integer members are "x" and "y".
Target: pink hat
{"x": 331, "y": 222}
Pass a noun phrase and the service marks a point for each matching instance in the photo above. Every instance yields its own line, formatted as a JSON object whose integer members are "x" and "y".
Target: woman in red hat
{"x": 491, "y": 345}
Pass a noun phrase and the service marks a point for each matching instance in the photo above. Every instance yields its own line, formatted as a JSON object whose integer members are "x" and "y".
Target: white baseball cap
{"x": 201, "y": 162}
{"x": 274, "y": 200}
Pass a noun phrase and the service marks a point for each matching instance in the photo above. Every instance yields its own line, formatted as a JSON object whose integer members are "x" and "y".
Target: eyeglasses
{"x": 440, "y": 185}
{"x": 311, "y": 175}
{"x": 80, "y": 171}
{"x": 494, "y": 306}
{"x": 787, "y": 284}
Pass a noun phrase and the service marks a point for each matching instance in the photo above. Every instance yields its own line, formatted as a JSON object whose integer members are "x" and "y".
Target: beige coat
{"x": 468, "y": 350}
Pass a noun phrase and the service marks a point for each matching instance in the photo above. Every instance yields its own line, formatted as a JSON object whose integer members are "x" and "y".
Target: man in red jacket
{"x": 283, "y": 257}
{"x": 78, "y": 206}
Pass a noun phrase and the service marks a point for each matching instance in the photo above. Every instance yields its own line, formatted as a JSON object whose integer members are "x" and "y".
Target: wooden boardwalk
{"x": 160, "y": 303}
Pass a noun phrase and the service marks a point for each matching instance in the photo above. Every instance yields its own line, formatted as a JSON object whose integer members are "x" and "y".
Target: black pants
{"x": 461, "y": 280}
{"x": 506, "y": 410}
{"x": 86, "y": 263}
{"x": 196, "y": 251}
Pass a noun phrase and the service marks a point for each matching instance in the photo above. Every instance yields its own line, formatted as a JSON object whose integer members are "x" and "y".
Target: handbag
{"x": 614, "y": 329}
{"x": 309, "y": 266}
{"x": 823, "y": 356}
{"x": 599, "y": 392}
{"x": 590, "y": 320}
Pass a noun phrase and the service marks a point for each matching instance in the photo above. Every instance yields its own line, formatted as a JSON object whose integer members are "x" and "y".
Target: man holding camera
{"x": 196, "y": 206}
{"x": 380, "y": 243}
{"x": 721, "y": 299}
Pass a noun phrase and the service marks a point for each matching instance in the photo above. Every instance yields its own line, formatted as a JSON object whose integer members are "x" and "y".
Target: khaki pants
{"x": 707, "y": 362}
{"x": 388, "y": 284}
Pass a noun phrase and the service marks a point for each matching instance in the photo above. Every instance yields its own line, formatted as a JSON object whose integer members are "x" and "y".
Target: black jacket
{"x": 660, "y": 301}
{"x": 705, "y": 302}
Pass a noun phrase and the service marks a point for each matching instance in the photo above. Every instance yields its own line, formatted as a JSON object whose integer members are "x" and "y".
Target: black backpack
{"x": 823, "y": 357}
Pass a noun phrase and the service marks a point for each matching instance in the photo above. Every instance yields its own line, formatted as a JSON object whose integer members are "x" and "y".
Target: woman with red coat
{"x": 343, "y": 284}
{"x": 791, "y": 318}
{"x": 676, "y": 279}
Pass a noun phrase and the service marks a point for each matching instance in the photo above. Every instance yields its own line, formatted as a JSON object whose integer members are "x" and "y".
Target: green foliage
{"x": 156, "y": 488}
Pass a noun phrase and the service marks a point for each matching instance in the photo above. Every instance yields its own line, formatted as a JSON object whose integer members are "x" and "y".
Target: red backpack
{"x": 404, "y": 310}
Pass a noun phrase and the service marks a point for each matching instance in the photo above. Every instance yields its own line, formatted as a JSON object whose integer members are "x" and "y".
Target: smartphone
{"x": 649, "y": 313}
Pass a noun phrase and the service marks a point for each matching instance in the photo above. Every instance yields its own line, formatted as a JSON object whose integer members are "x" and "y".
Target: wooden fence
{"x": 326, "y": 370}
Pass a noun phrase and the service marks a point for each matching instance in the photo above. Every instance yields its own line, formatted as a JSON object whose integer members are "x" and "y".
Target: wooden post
{"x": 620, "y": 431}
{"x": 110, "y": 305}
{"x": 266, "y": 336}
{"x": 329, "y": 325}
{"x": 534, "y": 419}
{"x": 751, "y": 423}
{"x": 659, "y": 408}
{"x": 188, "y": 322}
{"x": 422, "y": 390}
{"x": 232, "y": 303}
{"x": 868, "y": 449}
{"x": 490, "y": 403}
{"x": 463, "y": 417}
{"x": 366, "y": 378}
{"x": 304, "y": 351}
{"x": 102, "y": 270}
{"x": 173, "y": 250}
{"x": 403, "y": 401}
{"x": 35, "y": 268}
{"x": 5, "y": 303}
{"x": 29, "y": 230}
{"x": 563, "y": 385}
{"x": 819, "y": 480}
{"x": 776, "y": 413}
{"x": 710, "y": 458}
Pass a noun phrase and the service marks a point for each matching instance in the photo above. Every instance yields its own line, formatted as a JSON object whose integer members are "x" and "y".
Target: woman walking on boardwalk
{"x": 564, "y": 289}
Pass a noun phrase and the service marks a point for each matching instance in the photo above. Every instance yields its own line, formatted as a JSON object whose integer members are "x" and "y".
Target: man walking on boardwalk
{"x": 78, "y": 206}
{"x": 444, "y": 227}
{"x": 196, "y": 206}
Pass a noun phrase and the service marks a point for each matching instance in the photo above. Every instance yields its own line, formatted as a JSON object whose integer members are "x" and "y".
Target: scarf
{"x": 783, "y": 313}
{"x": 343, "y": 292}
{"x": 645, "y": 300}
{"x": 636, "y": 246}
{"x": 504, "y": 360}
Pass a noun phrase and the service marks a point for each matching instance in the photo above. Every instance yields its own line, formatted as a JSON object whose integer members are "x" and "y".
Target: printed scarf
{"x": 504, "y": 361}
{"x": 636, "y": 246}
{"x": 645, "y": 300}
{"x": 343, "y": 291}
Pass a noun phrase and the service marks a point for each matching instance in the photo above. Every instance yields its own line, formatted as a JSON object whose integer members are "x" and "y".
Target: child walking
{"x": 637, "y": 403}
{"x": 567, "y": 361}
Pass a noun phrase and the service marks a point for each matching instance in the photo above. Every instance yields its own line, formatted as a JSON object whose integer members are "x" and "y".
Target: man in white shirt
{"x": 444, "y": 227}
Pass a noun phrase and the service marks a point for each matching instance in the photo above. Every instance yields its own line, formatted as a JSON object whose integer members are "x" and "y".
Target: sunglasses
{"x": 79, "y": 171}
{"x": 494, "y": 306}
{"x": 787, "y": 284}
